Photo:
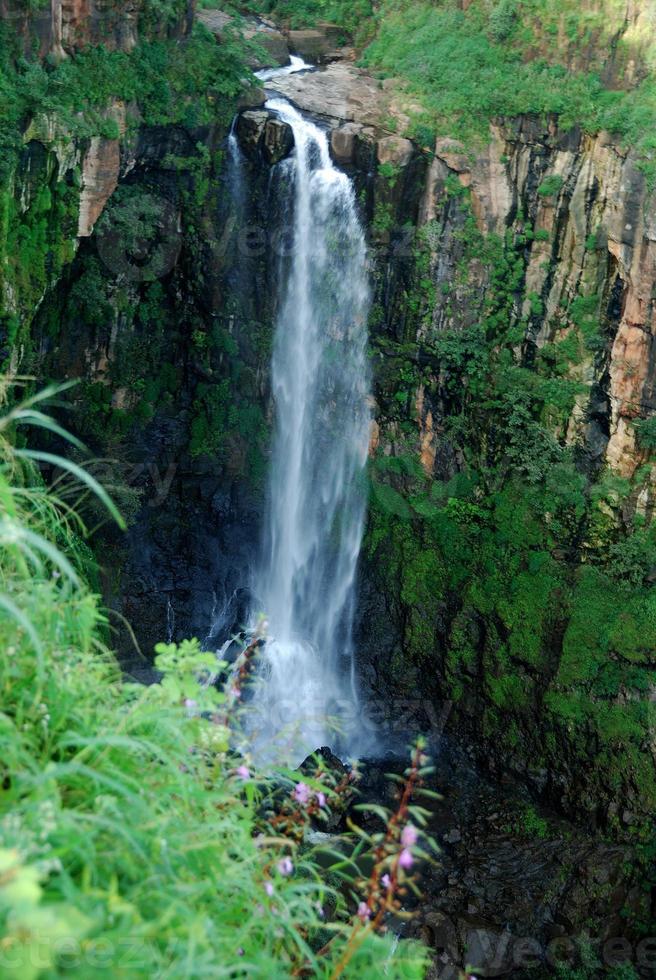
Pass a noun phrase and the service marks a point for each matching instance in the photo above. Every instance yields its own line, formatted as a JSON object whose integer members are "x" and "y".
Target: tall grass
{"x": 132, "y": 844}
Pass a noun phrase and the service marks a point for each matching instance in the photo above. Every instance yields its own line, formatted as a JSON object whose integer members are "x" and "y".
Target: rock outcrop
{"x": 264, "y": 137}
{"x": 61, "y": 27}
{"x": 341, "y": 92}
{"x": 589, "y": 206}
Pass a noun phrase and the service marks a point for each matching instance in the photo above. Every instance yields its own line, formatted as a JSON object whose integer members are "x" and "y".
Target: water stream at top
{"x": 316, "y": 509}
{"x": 295, "y": 65}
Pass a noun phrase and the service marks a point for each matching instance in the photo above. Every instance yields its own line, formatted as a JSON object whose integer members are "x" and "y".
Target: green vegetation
{"x": 191, "y": 82}
{"x": 349, "y": 14}
{"x": 508, "y": 58}
{"x": 550, "y": 186}
{"x": 132, "y": 842}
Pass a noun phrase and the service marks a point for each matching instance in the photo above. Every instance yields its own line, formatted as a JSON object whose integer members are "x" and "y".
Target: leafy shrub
{"x": 646, "y": 432}
{"x": 502, "y": 20}
{"x": 550, "y": 186}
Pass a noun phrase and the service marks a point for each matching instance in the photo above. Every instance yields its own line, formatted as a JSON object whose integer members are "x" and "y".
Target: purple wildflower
{"x": 385, "y": 881}
{"x": 244, "y": 773}
{"x": 364, "y": 912}
{"x": 405, "y": 859}
{"x": 321, "y": 800}
{"x": 409, "y": 836}
{"x": 301, "y": 793}
{"x": 269, "y": 889}
{"x": 285, "y": 867}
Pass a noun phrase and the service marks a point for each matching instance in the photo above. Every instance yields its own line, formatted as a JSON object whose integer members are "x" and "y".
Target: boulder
{"x": 394, "y": 150}
{"x": 312, "y": 45}
{"x": 215, "y": 21}
{"x": 250, "y": 128}
{"x": 343, "y": 143}
{"x": 335, "y": 34}
{"x": 278, "y": 141}
{"x": 276, "y": 51}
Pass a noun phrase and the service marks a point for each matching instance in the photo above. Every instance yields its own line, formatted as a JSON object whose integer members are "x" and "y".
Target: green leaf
{"x": 79, "y": 473}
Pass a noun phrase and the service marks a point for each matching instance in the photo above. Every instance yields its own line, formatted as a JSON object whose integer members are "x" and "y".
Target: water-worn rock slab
{"x": 341, "y": 92}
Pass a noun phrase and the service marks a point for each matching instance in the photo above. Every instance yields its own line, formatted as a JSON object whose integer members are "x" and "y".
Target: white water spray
{"x": 317, "y": 500}
{"x": 295, "y": 65}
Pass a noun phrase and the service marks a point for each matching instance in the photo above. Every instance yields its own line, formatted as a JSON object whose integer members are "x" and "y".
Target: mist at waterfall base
{"x": 305, "y": 693}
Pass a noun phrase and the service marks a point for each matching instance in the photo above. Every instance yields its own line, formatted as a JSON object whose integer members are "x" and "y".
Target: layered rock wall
{"x": 60, "y": 27}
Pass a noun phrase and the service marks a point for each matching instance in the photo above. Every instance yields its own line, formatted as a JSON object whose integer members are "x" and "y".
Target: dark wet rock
{"x": 250, "y": 129}
{"x": 502, "y": 894}
{"x": 263, "y": 137}
{"x": 333, "y": 819}
{"x": 278, "y": 141}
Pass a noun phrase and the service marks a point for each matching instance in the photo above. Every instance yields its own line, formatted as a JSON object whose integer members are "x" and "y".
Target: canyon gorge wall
{"x": 512, "y": 348}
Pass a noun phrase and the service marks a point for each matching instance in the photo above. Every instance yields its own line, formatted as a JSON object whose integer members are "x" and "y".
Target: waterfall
{"x": 317, "y": 500}
{"x": 236, "y": 185}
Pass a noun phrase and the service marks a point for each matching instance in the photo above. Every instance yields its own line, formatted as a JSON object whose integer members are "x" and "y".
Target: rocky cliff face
{"x": 60, "y": 27}
{"x": 595, "y": 237}
{"x": 544, "y": 235}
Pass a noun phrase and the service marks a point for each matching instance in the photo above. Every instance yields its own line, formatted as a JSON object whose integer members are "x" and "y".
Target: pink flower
{"x": 321, "y": 799}
{"x": 269, "y": 889}
{"x": 244, "y": 773}
{"x": 409, "y": 836}
{"x": 285, "y": 867}
{"x": 364, "y": 912}
{"x": 385, "y": 881}
{"x": 236, "y": 693}
{"x": 301, "y": 793}
{"x": 406, "y": 859}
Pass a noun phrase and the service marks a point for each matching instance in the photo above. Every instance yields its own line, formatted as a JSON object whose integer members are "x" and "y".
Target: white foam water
{"x": 295, "y": 65}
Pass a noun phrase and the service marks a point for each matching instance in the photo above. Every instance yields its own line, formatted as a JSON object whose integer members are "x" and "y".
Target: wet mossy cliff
{"x": 508, "y": 566}
{"x": 116, "y": 264}
{"x": 510, "y": 547}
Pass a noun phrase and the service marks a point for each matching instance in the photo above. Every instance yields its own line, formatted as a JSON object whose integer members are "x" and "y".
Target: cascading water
{"x": 317, "y": 500}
